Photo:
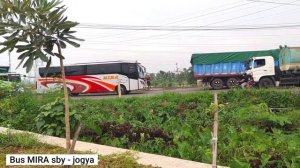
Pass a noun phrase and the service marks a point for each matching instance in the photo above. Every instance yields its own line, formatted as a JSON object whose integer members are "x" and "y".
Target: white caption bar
{"x": 52, "y": 159}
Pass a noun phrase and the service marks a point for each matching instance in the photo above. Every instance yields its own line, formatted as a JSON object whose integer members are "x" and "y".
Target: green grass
{"x": 180, "y": 125}
{"x": 28, "y": 144}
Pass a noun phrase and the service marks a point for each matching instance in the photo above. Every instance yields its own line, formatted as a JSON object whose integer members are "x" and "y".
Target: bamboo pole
{"x": 215, "y": 132}
{"x": 119, "y": 88}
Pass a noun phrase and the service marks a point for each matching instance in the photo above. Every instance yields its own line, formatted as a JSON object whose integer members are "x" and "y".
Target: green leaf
{"x": 5, "y": 24}
{"x": 59, "y": 56}
{"x": 25, "y": 4}
{"x": 70, "y": 42}
{"x": 4, "y": 49}
{"x": 67, "y": 25}
{"x": 62, "y": 44}
{"x": 54, "y": 17}
{"x": 28, "y": 64}
{"x": 41, "y": 55}
{"x": 23, "y": 55}
{"x": 72, "y": 37}
{"x": 24, "y": 47}
{"x": 48, "y": 65}
{"x": 39, "y": 124}
{"x": 236, "y": 163}
{"x": 48, "y": 47}
{"x": 2, "y": 33}
{"x": 20, "y": 62}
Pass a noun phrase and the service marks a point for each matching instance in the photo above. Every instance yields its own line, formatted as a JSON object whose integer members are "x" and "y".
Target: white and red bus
{"x": 94, "y": 77}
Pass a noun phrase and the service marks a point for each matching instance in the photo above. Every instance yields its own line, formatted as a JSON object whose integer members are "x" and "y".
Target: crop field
{"x": 257, "y": 127}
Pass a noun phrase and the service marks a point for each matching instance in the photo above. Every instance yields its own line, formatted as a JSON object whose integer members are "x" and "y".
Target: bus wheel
{"x": 266, "y": 82}
{"x": 217, "y": 84}
{"x": 232, "y": 83}
{"x": 123, "y": 90}
{"x": 74, "y": 94}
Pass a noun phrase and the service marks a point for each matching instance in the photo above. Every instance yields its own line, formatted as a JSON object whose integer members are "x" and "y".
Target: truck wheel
{"x": 217, "y": 84}
{"x": 232, "y": 83}
{"x": 266, "y": 82}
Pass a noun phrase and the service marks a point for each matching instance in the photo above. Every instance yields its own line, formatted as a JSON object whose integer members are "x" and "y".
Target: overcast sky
{"x": 161, "y": 50}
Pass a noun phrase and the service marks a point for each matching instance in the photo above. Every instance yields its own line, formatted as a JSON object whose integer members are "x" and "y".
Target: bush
{"x": 6, "y": 89}
{"x": 51, "y": 119}
{"x": 19, "y": 111}
{"x": 179, "y": 125}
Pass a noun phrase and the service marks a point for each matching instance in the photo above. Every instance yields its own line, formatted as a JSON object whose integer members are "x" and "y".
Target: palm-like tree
{"x": 37, "y": 29}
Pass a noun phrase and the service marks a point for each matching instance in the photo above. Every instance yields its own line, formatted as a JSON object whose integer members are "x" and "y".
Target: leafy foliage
{"x": 171, "y": 79}
{"x": 6, "y": 89}
{"x": 19, "y": 110}
{"x": 33, "y": 28}
{"x": 51, "y": 118}
{"x": 251, "y": 134}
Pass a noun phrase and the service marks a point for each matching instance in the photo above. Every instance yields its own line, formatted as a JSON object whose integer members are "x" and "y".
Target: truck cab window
{"x": 259, "y": 63}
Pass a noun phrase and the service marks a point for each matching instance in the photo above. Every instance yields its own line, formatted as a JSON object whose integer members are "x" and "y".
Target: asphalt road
{"x": 151, "y": 92}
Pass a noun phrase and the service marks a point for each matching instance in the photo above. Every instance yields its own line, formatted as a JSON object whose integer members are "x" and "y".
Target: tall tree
{"x": 37, "y": 29}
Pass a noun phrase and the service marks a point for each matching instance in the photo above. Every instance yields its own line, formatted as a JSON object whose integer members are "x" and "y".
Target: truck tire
{"x": 217, "y": 83}
{"x": 265, "y": 83}
{"x": 232, "y": 83}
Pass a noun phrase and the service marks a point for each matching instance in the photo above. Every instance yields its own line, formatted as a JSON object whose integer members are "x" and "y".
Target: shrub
{"x": 51, "y": 119}
{"x": 6, "y": 89}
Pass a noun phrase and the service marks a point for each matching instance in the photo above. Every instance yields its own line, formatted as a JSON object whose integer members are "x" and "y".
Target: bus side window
{"x": 131, "y": 69}
{"x": 93, "y": 70}
{"x": 75, "y": 70}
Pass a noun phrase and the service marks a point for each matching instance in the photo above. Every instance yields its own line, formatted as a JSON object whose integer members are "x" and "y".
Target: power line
{"x": 179, "y": 29}
{"x": 185, "y": 28}
{"x": 211, "y": 23}
{"x": 190, "y": 18}
{"x": 209, "y": 13}
{"x": 272, "y": 2}
{"x": 238, "y": 17}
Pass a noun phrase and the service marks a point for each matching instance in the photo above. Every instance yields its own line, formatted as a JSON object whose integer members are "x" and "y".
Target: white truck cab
{"x": 262, "y": 69}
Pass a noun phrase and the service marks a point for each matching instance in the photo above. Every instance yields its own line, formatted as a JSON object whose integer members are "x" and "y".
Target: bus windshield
{"x": 141, "y": 71}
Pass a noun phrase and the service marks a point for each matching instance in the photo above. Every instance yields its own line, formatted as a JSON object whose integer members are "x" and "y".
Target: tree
{"x": 35, "y": 29}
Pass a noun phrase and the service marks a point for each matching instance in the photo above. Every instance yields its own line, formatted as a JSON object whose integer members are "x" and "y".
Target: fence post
{"x": 215, "y": 132}
{"x": 119, "y": 88}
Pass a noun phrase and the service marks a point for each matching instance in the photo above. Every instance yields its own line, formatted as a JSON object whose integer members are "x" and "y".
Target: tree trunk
{"x": 76, "y": 135}
{"x": 67, "y": 106}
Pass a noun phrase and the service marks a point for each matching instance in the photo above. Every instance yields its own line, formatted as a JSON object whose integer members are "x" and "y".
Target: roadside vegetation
{"x": 170, "y": 79}
{"x": 257, "y": 127}
{"x": 22, "y": 143}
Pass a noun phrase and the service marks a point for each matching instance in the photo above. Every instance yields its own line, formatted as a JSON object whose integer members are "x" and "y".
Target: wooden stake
{"x": 119, "y": 88}
{"x": 215, "y": 132}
